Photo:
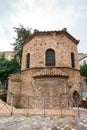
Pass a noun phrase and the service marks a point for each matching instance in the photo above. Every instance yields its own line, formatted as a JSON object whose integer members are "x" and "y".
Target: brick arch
{"x": 75, "y": 94}
{"x": 76, "y": 98}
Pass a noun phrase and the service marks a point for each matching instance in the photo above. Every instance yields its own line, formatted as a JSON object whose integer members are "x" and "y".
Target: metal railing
{"x": 39, "y": 106}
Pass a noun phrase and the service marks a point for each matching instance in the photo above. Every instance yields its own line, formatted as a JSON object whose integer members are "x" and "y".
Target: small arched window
{"x": 50, "y": 57}
{"x": 72, "y": 60}
{"x": 76, "y": 98}
{"x": 28, "y": 61}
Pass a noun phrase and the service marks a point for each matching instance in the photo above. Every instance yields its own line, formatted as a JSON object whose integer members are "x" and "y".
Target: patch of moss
{"x": 16, "y": 80}
{"x": 19, "y": 106}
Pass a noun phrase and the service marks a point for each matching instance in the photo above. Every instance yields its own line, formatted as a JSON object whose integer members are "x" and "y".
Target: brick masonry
{"x": 41, "y": 83}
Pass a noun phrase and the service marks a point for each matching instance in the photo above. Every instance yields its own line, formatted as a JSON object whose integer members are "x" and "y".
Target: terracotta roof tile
{"x": 63, "y": 31}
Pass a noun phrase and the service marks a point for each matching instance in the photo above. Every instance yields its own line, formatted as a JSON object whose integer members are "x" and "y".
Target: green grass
{"x": 19, "y": 106}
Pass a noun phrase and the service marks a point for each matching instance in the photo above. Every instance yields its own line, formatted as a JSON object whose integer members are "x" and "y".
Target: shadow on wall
{"x": 3, "y": 90}
{"x": 4, "y": 85}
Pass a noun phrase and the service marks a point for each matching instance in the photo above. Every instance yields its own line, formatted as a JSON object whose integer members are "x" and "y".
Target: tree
{"x": 83, "y": 69}
{"x": 7, "y": 67}
{"x": 2, "y": 57}
{"x": 22, "y": 34}
{"x": 10, "y": 67}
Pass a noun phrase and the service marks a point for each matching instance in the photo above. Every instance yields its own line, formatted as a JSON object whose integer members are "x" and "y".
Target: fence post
{"x": 44, "y": 107}
{"x": 28, "y": 107}
{"x": 11, "y": 105}
{"x": 61, "y": 109}
{"x": 78, "y": 108}
{"x": 60, "y": 97}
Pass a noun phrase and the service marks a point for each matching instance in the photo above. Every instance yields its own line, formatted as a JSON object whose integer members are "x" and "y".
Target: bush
{"x": 19, "y": 106}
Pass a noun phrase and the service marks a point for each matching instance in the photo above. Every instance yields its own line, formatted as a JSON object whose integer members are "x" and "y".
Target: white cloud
{"x": 47, "y": 15}
{"x": 44, "y": 15}
{"x": 1, "y": 29}
{"x": 5, "y": 45}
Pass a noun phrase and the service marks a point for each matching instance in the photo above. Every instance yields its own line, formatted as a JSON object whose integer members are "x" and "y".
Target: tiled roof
{"x": 63, "y": 31}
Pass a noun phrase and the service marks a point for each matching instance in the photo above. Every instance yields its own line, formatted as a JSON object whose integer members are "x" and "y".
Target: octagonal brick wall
{"x": 37, "y": 46}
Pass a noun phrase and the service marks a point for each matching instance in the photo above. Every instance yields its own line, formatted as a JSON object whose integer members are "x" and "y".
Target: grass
{"x": 19, "y": 106}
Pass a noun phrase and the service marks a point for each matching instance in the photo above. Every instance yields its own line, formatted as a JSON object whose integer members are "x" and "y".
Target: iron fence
{"x": 39, "y": 106}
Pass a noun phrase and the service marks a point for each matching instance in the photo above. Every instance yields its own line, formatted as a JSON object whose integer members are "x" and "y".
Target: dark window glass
{"x": 72, "y": 60}
{"x": 28, "y": 61}
{"x": 50, "y": 58}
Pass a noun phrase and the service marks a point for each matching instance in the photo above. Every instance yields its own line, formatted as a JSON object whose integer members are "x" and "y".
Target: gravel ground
{"x": 42, "y": 123}
{"x": 16, "y": 122}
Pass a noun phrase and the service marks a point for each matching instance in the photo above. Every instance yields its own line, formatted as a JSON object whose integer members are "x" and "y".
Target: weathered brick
{"x": 41, "y": 85}
{"x": 67, "y": 128}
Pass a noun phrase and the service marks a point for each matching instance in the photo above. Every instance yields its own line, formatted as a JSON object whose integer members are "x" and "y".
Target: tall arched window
{"x": 28, "y": 61}
{"x": 72, "y": 60}
{"x": 50, "y": 57}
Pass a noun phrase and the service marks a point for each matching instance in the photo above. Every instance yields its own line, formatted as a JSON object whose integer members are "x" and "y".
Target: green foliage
{"x": 22, "y": 34}
{"x": 83, "y": 70}
{"x": 16, "y": 80}
{"x": 19, "y": 106}
{"x": 8, "y": 67}
{"x": 2, "y": 57}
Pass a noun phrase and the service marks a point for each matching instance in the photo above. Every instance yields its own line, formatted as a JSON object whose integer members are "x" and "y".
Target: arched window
{"x": 28, "y": 61}
{"x": 50, "y": 57}
{"x": 76, "y": 98}
{"x": 72, "y": 60}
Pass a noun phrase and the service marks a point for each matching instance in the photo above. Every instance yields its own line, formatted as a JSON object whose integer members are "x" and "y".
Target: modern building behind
{"x": 82, "y": 58}
{"x": 8, "y": 54}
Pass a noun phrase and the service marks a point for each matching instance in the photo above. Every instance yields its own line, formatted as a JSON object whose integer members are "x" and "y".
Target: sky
{"x": 43, "y": 15}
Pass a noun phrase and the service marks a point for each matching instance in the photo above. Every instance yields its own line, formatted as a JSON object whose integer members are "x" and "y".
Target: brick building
{"x": 50, "y": 70}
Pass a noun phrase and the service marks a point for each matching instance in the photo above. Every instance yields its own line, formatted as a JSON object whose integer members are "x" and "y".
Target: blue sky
{"x": 43, "y": 15}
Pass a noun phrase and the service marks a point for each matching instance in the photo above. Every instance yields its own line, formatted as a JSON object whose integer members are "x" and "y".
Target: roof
{"x": 63, "y": 31}
{"x": 7, "y": 52}
{"x": 83, "y": 56}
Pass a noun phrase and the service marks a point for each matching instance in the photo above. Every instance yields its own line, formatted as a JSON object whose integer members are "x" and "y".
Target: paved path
{"x": 51, "y": 122}
{"x": 41, "y": 123}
